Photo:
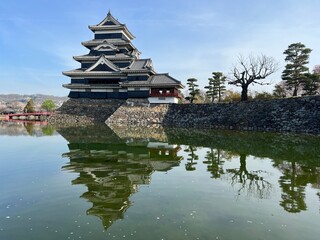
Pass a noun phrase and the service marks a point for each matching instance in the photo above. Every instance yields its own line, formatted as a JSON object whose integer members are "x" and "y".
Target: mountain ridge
{"x": 16, "y": 102}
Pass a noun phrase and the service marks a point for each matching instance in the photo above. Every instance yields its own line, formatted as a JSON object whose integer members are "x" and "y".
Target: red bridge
{"x": 34, "y": 115}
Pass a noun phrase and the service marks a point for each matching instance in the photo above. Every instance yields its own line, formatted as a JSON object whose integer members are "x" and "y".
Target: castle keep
{"x": 113, "y": 69}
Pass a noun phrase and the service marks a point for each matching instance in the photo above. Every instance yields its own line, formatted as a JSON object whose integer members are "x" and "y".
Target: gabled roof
{"x": 103, "y": 64}
{"x": 110, "y": 23}
{"x": 109, "y": 20}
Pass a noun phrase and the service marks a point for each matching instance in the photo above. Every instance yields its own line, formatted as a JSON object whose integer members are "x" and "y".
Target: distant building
{"x": 113, "y": 69}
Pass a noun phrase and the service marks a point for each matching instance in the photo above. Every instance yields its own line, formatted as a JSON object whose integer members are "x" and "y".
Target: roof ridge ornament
{"x": 105, "y": 46}
{"x": 109, "y": 18}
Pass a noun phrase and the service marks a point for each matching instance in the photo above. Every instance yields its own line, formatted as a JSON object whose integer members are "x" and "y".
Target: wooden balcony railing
{"x": 166, "y": 95}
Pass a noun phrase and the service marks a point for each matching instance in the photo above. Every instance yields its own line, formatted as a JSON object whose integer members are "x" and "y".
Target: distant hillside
{"x": 16, "y": 102}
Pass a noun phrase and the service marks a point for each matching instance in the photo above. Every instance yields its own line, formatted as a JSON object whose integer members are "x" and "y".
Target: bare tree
{"x": 252, "y": 70}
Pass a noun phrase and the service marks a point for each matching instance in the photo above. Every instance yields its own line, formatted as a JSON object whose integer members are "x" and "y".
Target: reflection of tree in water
{"x": 215, "y": 162}
{"x": 319, "y": 199}
{"x": 250, "y": 181}
{"x": 301, "y": 150}
{"x": 192, "y": 156}
{"x": 48, "y": 130}
{"x": 293, "y": 183}
{"x": 30, "y": 128}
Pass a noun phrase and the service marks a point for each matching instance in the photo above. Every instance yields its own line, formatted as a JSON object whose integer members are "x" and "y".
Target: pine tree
{"x": 193, "y": 89}
{"x": 297, "y": 56}
{"x": 219, "y": 84}
{"x": 211, "y": 93}
{"x": 29, "y": 108}
{"x": 311, "y": 84}
{"x": 216, "y": 86}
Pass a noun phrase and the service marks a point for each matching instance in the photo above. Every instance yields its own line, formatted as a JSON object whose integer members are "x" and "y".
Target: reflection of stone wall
{"x": 151, "y": 132}
{"x": 277, "y": 146}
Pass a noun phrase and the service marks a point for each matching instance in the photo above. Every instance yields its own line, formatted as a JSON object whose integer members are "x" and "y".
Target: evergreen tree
{"x": 231, "y": 96}
{"x": 29, "y": 108}
{"x": 279, "y": 91}
{"x": 311, "y": 84}
{"x": 263, "y": 95}
{"x": 219, "y": 84}
{"x": 216, "y": 86}
{"x": 48, "y": 105}
{"x": 211, "y": 93}
{"x": 294, "y": 74}
{"x": 193, "y": 89}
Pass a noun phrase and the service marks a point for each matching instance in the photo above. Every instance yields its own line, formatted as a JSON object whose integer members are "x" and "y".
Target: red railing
{"x": 165, "y": 95}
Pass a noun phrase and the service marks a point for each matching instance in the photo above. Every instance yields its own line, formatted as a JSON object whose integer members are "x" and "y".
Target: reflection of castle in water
{"x": 113, "y": 163}
{"x": 112, "y": 168}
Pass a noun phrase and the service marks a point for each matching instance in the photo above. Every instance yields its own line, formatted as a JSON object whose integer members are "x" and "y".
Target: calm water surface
{"x": 153, "y": 183}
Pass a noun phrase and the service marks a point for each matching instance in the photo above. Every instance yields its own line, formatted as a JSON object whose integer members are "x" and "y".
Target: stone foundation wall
{"x": 85, "y": 111}
{"x": 142, "y": 115}
{"x": 301, "y": 115}
{"x": 280, "y": 115}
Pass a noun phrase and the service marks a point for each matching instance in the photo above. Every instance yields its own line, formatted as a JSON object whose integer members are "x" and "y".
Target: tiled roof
{"x": 156, "y": 80}
{"x": 103, "y": 61}
{"x": 163, "y": 78}
{"x": 95, "y": 57}
{"x": 141, "y": 64}
{"x": 114, "y": 41}
{"x": 110, "y": 23}
{"x": 109, "y": 18}
{"x": 81, "y": 72}
{"x": 138, "y": 64}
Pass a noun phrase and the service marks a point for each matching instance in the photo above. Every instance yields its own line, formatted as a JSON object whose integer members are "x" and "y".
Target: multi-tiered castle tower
{"x": 113, "y": 69}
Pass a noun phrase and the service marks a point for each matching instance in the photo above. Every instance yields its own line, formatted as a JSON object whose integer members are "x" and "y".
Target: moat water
{"x": 153, "y": 183}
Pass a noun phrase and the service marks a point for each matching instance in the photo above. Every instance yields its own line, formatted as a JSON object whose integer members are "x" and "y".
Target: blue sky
{"x": 185, "y": 38}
